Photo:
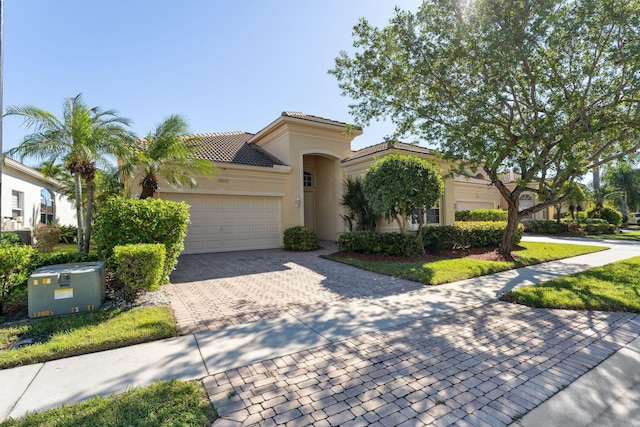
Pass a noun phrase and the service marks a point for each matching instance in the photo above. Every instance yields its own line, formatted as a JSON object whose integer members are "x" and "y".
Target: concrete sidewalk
{"x": 46, "y": 385}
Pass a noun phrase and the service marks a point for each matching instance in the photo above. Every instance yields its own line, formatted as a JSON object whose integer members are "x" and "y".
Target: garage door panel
{"x": 225, "y": 223}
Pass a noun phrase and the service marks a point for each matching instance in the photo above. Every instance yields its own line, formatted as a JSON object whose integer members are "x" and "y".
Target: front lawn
{"x": 613, "y": 287}
{"x": 446, "y": 270}
{"x": 630, "y": 235}
{"x": 169, "y": 403}
{"x": 71, "y": 335}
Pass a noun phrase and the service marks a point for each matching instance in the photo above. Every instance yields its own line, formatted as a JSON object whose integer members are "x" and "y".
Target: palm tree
{"x": 80, "y": 139}
{"x": 168, "y": 152}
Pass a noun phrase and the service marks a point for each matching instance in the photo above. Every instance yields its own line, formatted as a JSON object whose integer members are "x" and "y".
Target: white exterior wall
{"x": 28, "y": 181}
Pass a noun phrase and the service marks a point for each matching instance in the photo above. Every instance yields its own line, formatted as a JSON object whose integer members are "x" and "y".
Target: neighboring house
{"x": 292, "y": 173}
{"x": 28, "y": 198}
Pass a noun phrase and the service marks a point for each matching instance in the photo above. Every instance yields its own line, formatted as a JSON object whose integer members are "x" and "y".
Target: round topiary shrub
{"x": 613, "y": 216}
{"x": 300, "y": 239}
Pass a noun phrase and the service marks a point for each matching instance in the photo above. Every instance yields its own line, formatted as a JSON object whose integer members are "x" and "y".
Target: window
{"x": 526, "y": 201}
{"x": 307, "y": 179}
{"x": 431, "y": 217}
{"x": 46, "y": 206}
{"x": 17, "y": 203}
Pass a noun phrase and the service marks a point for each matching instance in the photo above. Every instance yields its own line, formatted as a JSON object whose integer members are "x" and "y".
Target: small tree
{"x": 169, "y": 152}
{"x": 397, "y": 185}
{"x": 359, "y": 215}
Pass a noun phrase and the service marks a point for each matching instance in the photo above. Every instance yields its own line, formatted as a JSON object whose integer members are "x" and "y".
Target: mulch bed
{"x": 486, "y": 254}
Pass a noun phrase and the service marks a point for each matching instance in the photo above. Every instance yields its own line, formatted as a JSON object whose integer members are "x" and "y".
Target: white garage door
{"x": 230, "y": 223}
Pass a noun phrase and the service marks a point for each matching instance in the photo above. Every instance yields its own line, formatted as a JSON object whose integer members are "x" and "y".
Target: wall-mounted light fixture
{"x": 297, "y": 202}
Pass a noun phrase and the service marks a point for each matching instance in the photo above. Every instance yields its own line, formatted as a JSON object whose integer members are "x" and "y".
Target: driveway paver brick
{"x": 215, "y": 291}
{"x": 498, "y": 383}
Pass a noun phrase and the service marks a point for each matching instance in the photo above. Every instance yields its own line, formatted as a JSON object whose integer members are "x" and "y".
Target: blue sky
{"x": 225, "y": 65}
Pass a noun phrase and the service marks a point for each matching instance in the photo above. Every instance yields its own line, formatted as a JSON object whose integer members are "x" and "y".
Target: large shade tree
{"x": 82, "y": 139}
{"x": 548, "y": 89}
{"x": 169, "y": 152}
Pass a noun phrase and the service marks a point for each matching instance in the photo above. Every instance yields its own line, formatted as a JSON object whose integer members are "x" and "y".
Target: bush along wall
{"x": 300, "y": 239}
{"x": 482, "y": 215}
{"x": 386, "y": 244}
{"x": 587, "y": 226}
{"x": 465, "y": 235}
{"x": 129, "y": 221}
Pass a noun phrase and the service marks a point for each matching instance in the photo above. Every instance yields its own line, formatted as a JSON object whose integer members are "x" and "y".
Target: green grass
{"x": 65, "y": 247}
{"x": 630, "y": 235}
{"x": 439, "y": 271}
{"x": 83, "y": 333}
{"x": 613, "y": 287}
{"x": 169, "y": 403}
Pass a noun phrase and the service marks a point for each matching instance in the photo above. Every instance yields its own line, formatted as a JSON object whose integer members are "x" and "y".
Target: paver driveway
{"x": 212, "y": 291}
{"x": 485, "y": 365}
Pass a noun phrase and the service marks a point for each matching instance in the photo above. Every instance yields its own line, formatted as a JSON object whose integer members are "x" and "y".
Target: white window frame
{"x": 307, "y": 179}
{"x": 529, "y": 197}
{"x": 431, "y": 217}
{"x": 17, "y": 204}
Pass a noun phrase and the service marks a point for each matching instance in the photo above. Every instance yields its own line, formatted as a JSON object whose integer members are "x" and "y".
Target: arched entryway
{"x": 320, "y": 182}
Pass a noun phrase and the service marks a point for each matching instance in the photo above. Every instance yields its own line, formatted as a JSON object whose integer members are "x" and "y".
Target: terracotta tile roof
{"x": 311, "y": 118}
{"x": 388, "y": 145}
{"x": 232, "y": 147}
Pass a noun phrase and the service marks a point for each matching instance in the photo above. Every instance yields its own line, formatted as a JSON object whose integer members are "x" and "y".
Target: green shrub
{"x": 600, "y": 228}
{"x": 129, "y": 221}
{"x": 483, "y": 215}
{"x": 10, "y": 238}
{"x": 385, "y": 244}
{"x": 543, "y": 226}
{"x": 68, "y": 233}
{"x": 300, "y": 239}
{"x": 595, "y": 221}
{"x": 613, "y": 216}
{"x": 15, "y": 268}
{"x": 139, "y": 267}
{"x": 46, "y": 237}
{"x": 464, "y": 235}
{"x": 45, "y": 259}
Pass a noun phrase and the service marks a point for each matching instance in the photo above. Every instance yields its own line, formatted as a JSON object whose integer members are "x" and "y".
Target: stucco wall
{"x": 30, "y": 186}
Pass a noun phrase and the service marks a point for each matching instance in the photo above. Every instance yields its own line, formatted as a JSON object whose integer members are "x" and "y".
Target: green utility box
{"x": 66, "y": 288}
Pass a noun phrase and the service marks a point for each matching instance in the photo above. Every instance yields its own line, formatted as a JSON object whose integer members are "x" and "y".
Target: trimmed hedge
{"x": 15, "y": 268}
{"x": 129, "y": 221}
{"x": 386, "y": 244}
{"x": 465, "y": 235}
{"x": 589, "y": 226}
{"x": 139, "y": 267}
{"x": 461, "y": 235}
{"x": 613, "y": 216}
{"x": 482, "y": 215}
{"x": 300, "y": 239}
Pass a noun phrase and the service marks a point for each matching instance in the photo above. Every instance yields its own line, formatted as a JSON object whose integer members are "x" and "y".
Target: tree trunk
{"x": 78, "y": 188}
{"x": 87, "y": 221}
{"x": 146, "y": 193}
{"x": 420, "y": 242}
{"x": 508, "y": 242}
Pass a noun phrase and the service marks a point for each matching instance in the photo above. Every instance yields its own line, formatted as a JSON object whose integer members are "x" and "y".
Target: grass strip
{"x": 81, "y": 333}
{"x": 613, "y": 287}
{"x": 446, "y": 270}
{"x": 168, "y": 403}
{"x": 633, "y": 236}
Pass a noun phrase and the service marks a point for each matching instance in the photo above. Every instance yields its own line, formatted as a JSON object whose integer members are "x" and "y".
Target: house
{"x": 292, "y": 173}
{"x": 28, "y": 198}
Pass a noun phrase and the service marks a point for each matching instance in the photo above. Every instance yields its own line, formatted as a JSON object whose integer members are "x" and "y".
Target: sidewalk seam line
{"x": 206, "y": 368}
{"x": 24, "y": 391}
